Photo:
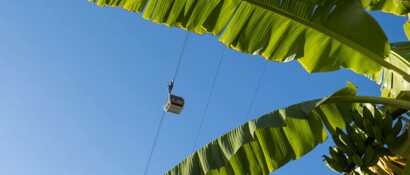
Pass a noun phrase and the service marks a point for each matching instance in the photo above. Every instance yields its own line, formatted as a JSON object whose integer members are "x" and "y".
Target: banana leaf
{"x": 391, "y": 82}
{"x": 406, "y": 28}
{"x": 263, "y": 145}
{"x": 396, "y": 7}
{"x": 323, "y": 35}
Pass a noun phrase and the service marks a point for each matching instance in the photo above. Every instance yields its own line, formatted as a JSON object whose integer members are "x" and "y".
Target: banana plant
{"x": 392, "y": 84}
{"x": 369, "y": 140}
{"x": 263, "y": 145}
{"x": 317, "y": 34}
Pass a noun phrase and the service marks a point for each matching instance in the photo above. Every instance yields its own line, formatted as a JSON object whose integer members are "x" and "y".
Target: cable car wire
{"x": 257, "y": 88}
{"x": 181, "y": 55}
{"x": 159, "y": 127}
{"x": 213, "y": 83}
{"x": 154, "y": 144}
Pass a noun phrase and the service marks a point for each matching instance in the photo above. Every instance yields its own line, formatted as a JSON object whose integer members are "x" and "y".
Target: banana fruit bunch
{"x": 369, "y": 135}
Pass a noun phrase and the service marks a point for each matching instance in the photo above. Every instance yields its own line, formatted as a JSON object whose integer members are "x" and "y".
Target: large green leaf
{"x": 323, "y": 35}
{"x": 397, "y": 7}
{"x": 406, "y": 28}
{"x": 391, "y": 82}
{"x": 263, "y": 145}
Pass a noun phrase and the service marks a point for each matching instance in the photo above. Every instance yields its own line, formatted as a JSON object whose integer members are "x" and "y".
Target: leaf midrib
{"x": 319, "y": 28}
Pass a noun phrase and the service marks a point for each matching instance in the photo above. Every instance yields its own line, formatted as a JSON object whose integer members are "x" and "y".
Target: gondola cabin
{"x": 174, "y": 104}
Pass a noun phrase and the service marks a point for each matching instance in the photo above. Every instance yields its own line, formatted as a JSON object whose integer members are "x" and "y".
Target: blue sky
{"x": 83, "y": 87}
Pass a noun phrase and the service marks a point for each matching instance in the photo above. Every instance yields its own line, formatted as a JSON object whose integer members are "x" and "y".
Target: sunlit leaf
{"x": 265, "y": 144}
{"x": 391, "y": 82}
{"x": 323, "y": 35}
{"x": 397, "y": 7}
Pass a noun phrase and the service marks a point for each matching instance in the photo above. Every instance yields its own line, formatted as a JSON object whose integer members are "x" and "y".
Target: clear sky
{"x": 82, "y": 90}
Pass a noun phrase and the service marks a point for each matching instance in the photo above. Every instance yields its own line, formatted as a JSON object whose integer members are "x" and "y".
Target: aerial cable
{"x": 213, "y": 83}
{"x": 154, "y": 144}
{"x": 181, "y": 55}
{"x": 170, "y": 86}
{"x": 257, "y": 88}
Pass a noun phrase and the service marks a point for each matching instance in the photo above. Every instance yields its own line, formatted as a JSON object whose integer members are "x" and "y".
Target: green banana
{"x": 378, "y": 120}
{"x": 355, "y": 137}
{"x": 367, "y": 127}
{"x": 339, "y": 158}
{"x": 360, "y": 139}
{"x": 387, "y": 126}
{"x": 344, "y": 139}
{"x": 355, "y": 173}
{"x": 343, "y": 147}
{"x": 378, "y": 133}
{"x": 369, "y": 135}
{"x": 359, "y": 143}
{"x": 367, "y": 113}
{"x": 357, "y": 160}
{"x": 369, "y": 157}
{"x": 332, "y": 164}
{"x": 366, "y": 171}
{"x": 358, "y": 119}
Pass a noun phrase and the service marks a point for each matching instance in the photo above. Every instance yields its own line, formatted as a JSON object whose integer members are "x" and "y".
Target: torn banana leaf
{"x": 406, "y": 28}
{"x": 323, "y": 35}
{"x": 392, "y": 83}
{"x": 396, "y": 7}
{"x": 263, "y": 145}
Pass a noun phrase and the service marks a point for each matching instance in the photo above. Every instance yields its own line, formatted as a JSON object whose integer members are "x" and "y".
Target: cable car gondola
{"x": 175, "y": 104}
